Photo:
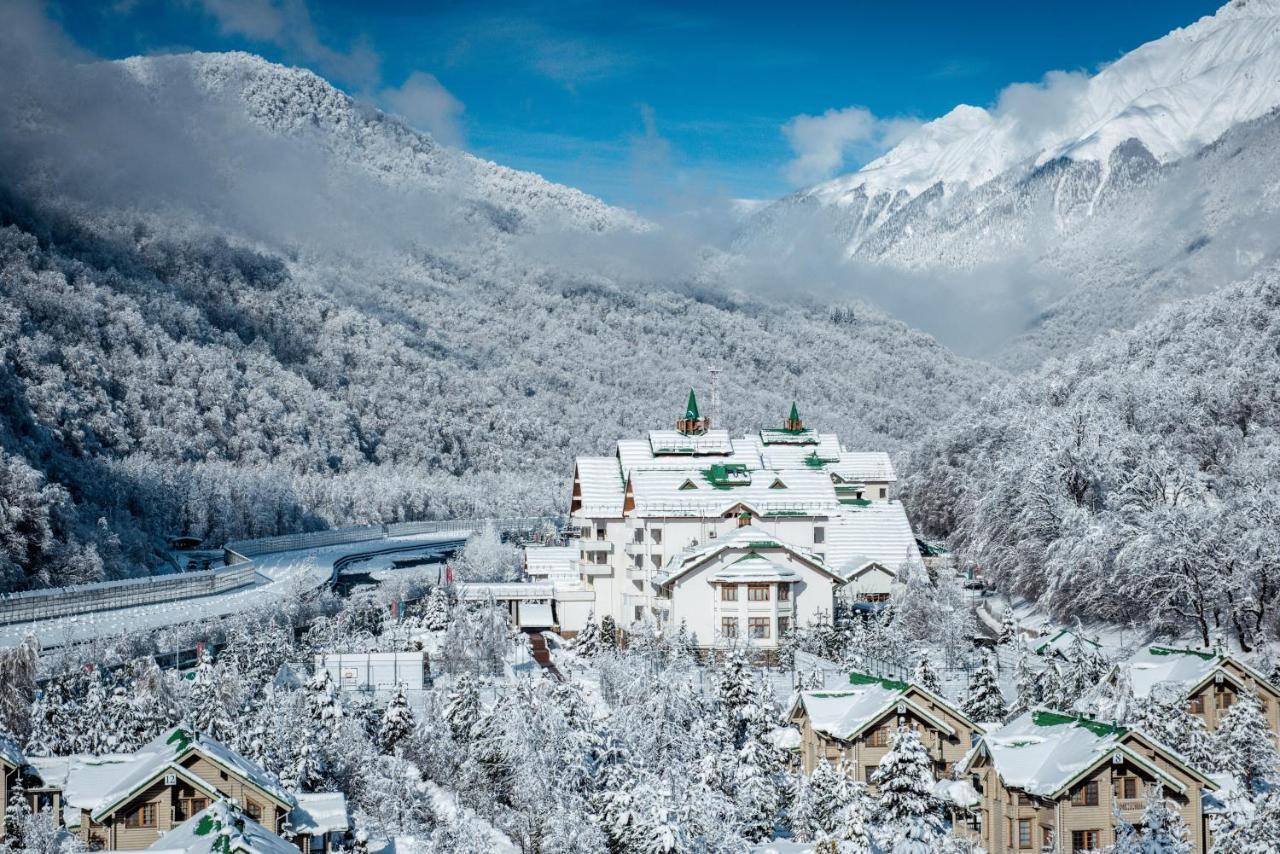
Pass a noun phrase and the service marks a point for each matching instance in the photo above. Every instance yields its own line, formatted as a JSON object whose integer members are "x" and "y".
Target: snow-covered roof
{"x": 784, "y": 738}
{"x": 10, "y": 753}
{"x": 203, "y": 834}
{"x": 553, "y": 562}
{"x": 601, "y": 484}
{"x": 755, "y": 567}
{"x": 1043, "y": 753}
{"x": 747, "y": 538}
{"x": 320, "y": 812}
{"x": 878, "y": 531}
{"x": 84, "y": 780}
{"x": 165, "y": 753}
{"x": 1159, "y": 664}
{"x": 702, "y": 491}
{"x": 958, "y": 792}
{"x": 863, "y": 466}
{"x": 846, "y": 712}
{"x": 674, "y": 443}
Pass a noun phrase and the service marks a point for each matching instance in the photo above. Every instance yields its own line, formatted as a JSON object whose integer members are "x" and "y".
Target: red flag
{"x": 395, "y": 610}
{"x": 448, "y": 573}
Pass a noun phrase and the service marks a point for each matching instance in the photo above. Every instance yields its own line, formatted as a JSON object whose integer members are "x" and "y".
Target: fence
{"x": 32, "y": 605}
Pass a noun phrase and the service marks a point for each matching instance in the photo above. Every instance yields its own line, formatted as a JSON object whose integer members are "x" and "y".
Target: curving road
{"x": 281, "y": 576}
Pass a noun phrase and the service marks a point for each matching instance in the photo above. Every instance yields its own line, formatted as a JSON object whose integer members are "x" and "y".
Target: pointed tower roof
{"x": 795, "y": 413}
{"x": 691, "y": 408}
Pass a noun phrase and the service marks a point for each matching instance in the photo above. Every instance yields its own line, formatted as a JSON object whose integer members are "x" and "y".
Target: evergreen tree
{"x": 737, "y": 693}
{"x": 908, "y": 813}
{"x": 50, "y": 728}
{"x": 852, "y": 832}
{"x": 609, "y": 633}
{"x": 1163, "y": 829}
{"x": 1163, "y": 715}
{"x": 323, "y": 703}
{"x": 1249, "y": 825}
{"x": 1246, "y": 746}
{"x": 462, "y": 708}
{"x": 926, "y": 677}
{"x": 816, "y": 803}
{"x": 397, "y": 722}
{"x": 436, "y": 613}
{"x": 17, "y": 814}
{"x": 758, "y": 791}
{"x": 1026, "y": 683}
{"x": 1127, "y": 839}
{"x": 1008, "y": 627}
{"x": 155, "y": 708}
{"x": 984, "y": 702}
{"x": 92, "y": 731}
{"x": 588, "y": 642}
{"x": 207, "y": 708}
{"x": 125, "y": 732}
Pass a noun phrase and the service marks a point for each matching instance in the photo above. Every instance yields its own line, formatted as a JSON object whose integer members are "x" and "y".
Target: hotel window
{"x": 869, "y": 772}
{"x": 883, "y": 492}
{"x": 143, "y": 816}
{"x": 657, "y": 535}
{"x": 1128, "y": 788}
{"x": 729, "y": 627}
{"x": 602, "y": 557}
{"x": 1196, "y": 705}
{"x": 585, "y": 533}
{"x": 759, "y": 627}
{"x": 600, "y": 533}
{"x": 1086, "y": 795}
{"x": 1224, "y": 699}
{"x": 1085, "y": 840}
{"x": 819, "y": 535}
{"x": 638, "y": 560}
{"x": 784, "y": 626}
{"x": 879, "y": 737}
{"x": 187, "y": 807}
{"x": 784, "y": 592}
{"x": 637, "y": 536}
{"x": 1024, "y": 833}
{"x": 728, "y": 593}
{"x": 757, "y": 593}
{"x": 253, "y": 810}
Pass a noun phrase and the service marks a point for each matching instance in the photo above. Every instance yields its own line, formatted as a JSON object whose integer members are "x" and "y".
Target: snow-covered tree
{"x": 397, "y": 722}
{"x": 1163, "y": 715}
{"x": 209, "y": 709}
{"x": 323, "y": 702}
{"x": 1246, "y": 745}
{"x": 1008, "y": 627}
{"x": 609, "y": 639}
{"x": 1249, "y": 825}
{"x": 758, "y": 789}
{"x": 91, "y": 725}
{"x": 437, "y": 611}
{"x": 1163, "y": 829}
{"x": 908, "y": 813}
{"x": 587, "y": 643}
{"x": 984, "y": 702}
{"x": 18, "y": 663}
{"x": 487, "y": 558}
{"x": 926, "y": 677}
{"x": 818, "y": 799}
{"x": 462, "y": 708}
{"x": 1026, "y": 683}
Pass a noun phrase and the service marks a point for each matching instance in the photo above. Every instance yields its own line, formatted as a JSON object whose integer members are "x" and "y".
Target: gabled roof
{"x": 10, "y": 753}
{"x": 205, "y": 832}
{"x": 720, "y": 488}
{"x": 879, "y": 531}
{"x": 1059, "y": 643}
{"x": 1044, "y": 753}
{"x": 859, "y": 567}
{"x": 142, "y": 776}
{"x": 553, "y": 562}
{"x": 748, "y": 539}
{"x": 1191, "y": 669}
{"x": 599, "y": 480}
{"x": 663, "y": 443}
{"x": 755, "y": 567}
{"x": 846, "y": 713}
{"x": 166, "y": 753}
{"x": 863, "y": 466}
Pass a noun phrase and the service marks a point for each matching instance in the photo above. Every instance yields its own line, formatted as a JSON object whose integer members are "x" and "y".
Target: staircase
{"x": 539, "y": 652}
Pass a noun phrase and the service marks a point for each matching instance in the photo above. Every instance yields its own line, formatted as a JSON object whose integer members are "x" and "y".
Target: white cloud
{"x": 1039, "y": 112}
{"x": 826, "y": 143}
{"x": 288, "y": 25}
{"x": 423, "y": 102}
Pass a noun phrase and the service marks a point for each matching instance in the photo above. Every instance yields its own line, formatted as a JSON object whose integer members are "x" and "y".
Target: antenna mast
{"x": 715, "y": 396}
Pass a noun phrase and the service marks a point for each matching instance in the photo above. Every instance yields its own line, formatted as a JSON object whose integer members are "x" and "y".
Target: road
{"x": 281, "y": 576}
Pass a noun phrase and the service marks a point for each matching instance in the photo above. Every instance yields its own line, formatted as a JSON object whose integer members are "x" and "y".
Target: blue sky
{"x": 655, "y": 105}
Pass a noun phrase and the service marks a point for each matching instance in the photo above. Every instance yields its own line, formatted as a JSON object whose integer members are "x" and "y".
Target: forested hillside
{"x": 236, "y": 301}
{"x": 1134, "y": 481}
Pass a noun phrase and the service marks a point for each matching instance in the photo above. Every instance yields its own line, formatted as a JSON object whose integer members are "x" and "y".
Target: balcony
{"x": 636, "y": 548}
{"x": 595, "y": 545}
{"x": 593, "y": 569}
{"x": 1131, "y": 804}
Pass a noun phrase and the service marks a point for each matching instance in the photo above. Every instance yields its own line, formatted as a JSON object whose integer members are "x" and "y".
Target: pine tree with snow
{"x": 155, "y": 709}
{"x": 1249, "y": 825}
{"x": 926, "y": 677}
{"x": 908, "y": 813}
{"x": 1026, "y": 683}
{"x": 737, "y": 693}
{"x": 438, "y": 609}
{"x": 587, "y": 643}
{"x": 1127, "y": 839}
{"x": 984, "y": 702}
{"x": 17, "y": 814}
{"x": 207, "y": 708}
{"x": 1163, "y": 829}
{"x": 397, "y": 722}
{"x": 609, "y": 639}
{"x": 462, "y": 708}
{"x": 1163, "y": 715}
{"x": 49, "y": 729}
{"x": 1008, "y": 627}
{"x": 125, "y": 731}
{"x": 91, "y": 725}
{"x": 1246, "y": 746}
{"x": 816, "y": 802}
{"x": 852, "y": 829}
{"x": 757, "y": 789}
{"x": 323, "y": 702}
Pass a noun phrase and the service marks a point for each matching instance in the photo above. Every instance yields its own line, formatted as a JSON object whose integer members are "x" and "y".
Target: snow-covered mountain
{"x": 1092, "y": 196}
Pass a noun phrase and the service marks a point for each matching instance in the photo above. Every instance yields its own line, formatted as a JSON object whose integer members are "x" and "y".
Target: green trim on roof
{"x": 813, "y": 461}
{"x": 727, "y": 475}
{"x": 1098, "y": 728}
{"x": 182, "y": 737}
{"x": 785, "y": 513}
{"x": 855, "y": 502}
{"x": 1169, "y": 650}
{"x": 795, "y": 413}
{"x": 856, "y": 678}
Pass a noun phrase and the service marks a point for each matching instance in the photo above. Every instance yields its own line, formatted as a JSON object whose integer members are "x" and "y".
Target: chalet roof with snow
{"x": 1189, "y": 669}
{"x": 876, "y": 532}
{"x": 719, "y": 487}
{"x": 222, "y": 828}
{"x": 10, "y": 753}
{"x": 756, "y": 546}
{"x": 597, "y": 487}
{"x": 864, "y": 466}
{"x": 1059, "y": 643}
{"x": 845, "y": 713}
{"x": 166, "y": 753}
{"x": 320, "y": 812}
{"x": 1044, "y": 753}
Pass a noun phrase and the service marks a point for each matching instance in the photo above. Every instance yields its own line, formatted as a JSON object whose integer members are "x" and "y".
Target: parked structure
{"x": 640, "y": 512}
{"x": 1054, "y": 782}
{"x": 1210, "y": 681}
{"x": 855, "y": 725}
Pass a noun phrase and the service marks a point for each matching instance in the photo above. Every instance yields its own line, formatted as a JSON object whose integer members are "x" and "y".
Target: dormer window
{"x": 688, "y": 484}
{"x": 777, "y": 484}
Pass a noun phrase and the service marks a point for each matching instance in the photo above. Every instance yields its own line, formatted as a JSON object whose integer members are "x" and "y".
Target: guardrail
{"x": 32, "y": 605}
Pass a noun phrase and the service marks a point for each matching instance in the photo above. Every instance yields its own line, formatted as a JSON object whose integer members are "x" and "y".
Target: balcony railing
{"x": 595, "y": 545}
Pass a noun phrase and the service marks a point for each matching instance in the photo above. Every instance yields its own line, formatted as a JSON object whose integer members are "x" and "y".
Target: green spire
{"x": 795, "y": 413}
{"x": 691, "y": 408}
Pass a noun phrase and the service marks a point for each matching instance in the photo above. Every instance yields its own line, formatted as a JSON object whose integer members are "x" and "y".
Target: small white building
{"x": 746, "y": 586}
{"x": 375, "y": 671}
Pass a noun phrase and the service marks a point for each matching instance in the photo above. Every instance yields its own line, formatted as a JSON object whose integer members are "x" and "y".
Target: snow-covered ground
{"x": 281, "y": 576}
